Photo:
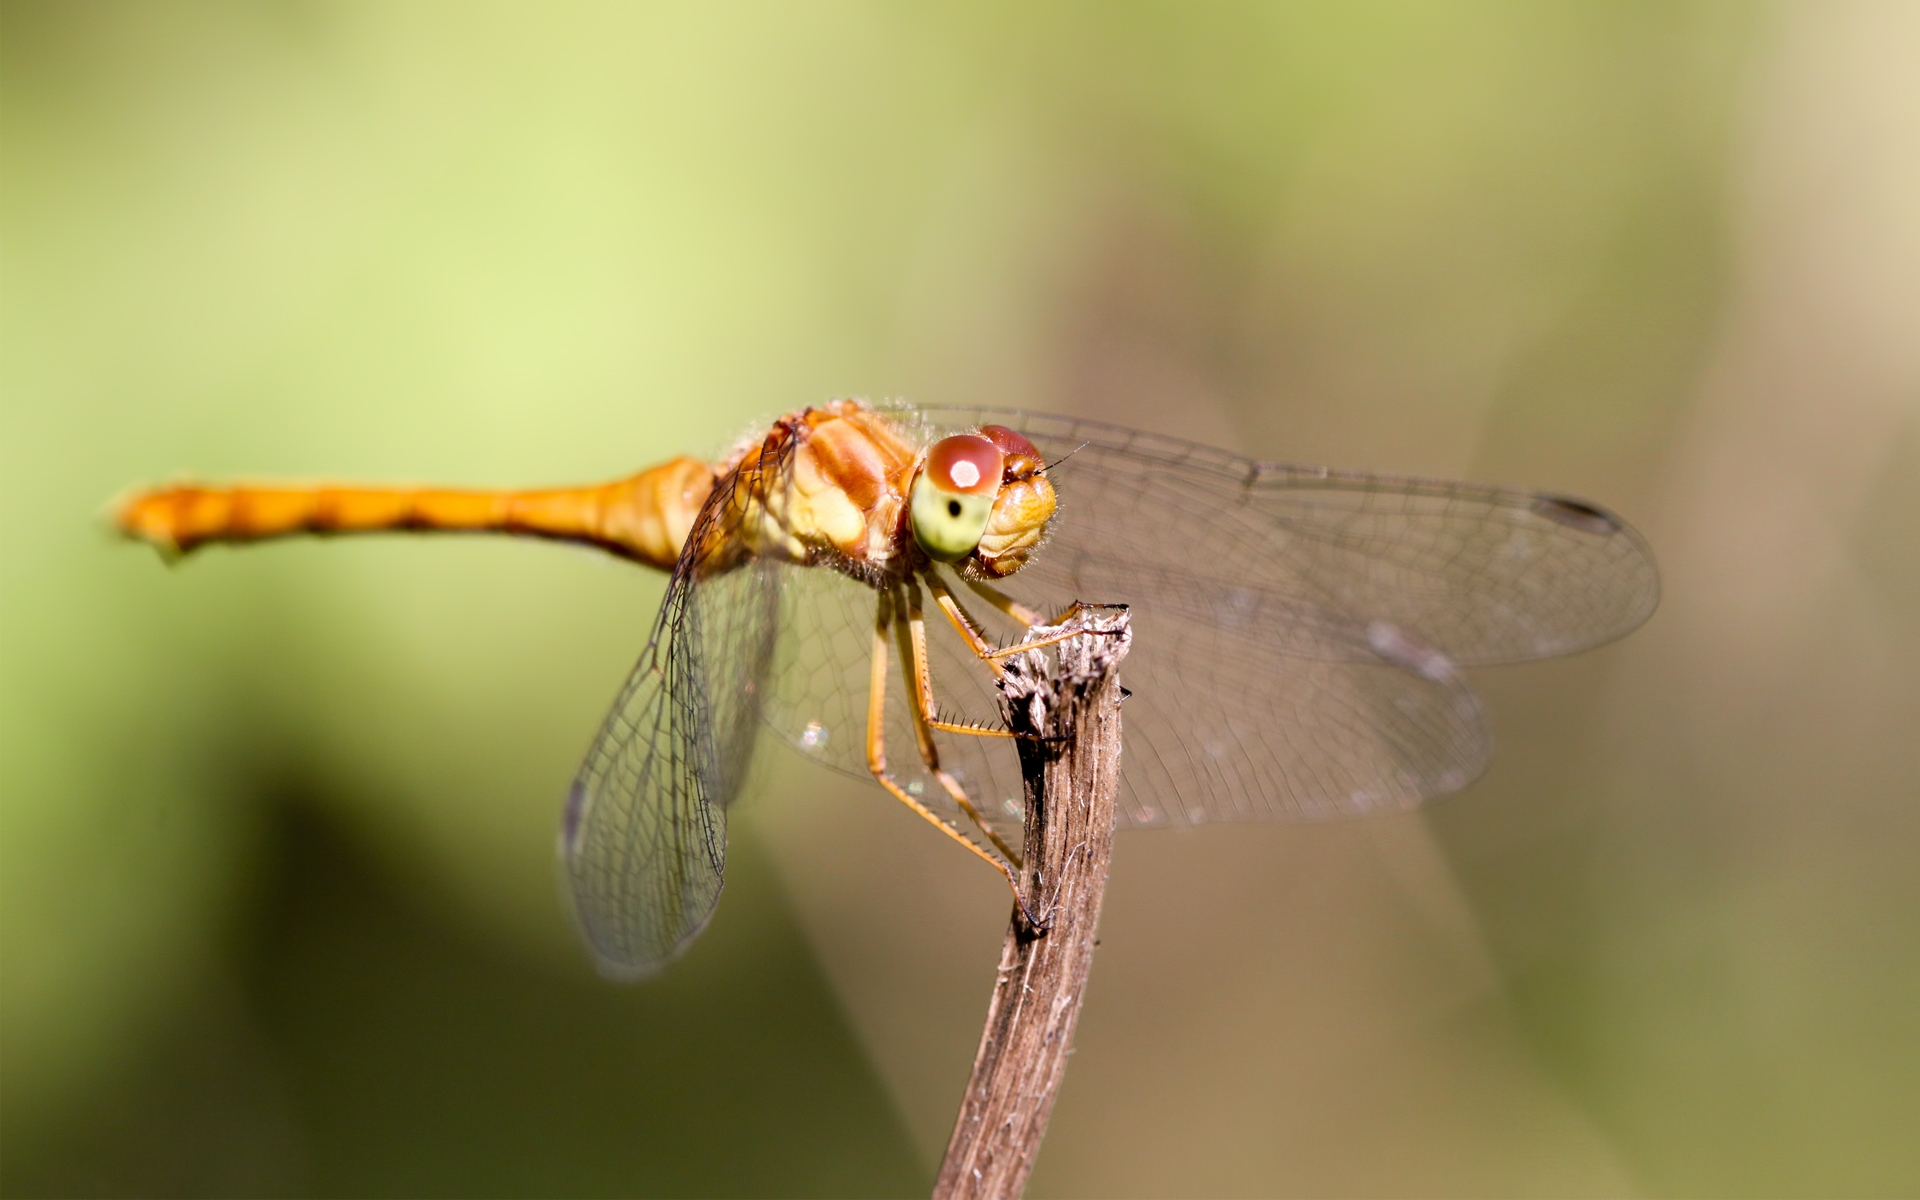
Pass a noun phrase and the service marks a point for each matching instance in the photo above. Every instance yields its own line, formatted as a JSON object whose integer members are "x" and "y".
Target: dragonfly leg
{"x": 968, "y": 628}
{"x": 1008, "y": 605}
{"x": 1038, "y": 643}
{"x": 963, "y": 622}
{"x": 920, "y": 699}
{"x": 877, "y": 757}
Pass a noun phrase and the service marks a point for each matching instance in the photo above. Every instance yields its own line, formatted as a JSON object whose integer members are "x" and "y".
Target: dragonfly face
{"x": 982, "y": 501}
{"x": 1023, "y": 510}
{"x": 953, "y": 495}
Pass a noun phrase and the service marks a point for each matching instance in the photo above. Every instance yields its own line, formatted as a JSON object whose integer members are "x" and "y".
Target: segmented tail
{"x": 644, "y": 518}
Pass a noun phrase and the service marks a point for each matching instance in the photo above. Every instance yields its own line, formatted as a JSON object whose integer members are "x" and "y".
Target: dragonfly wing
{"x": 1216, "y": 729}
{"x": 1299, "y": 634}
{"x": 816, "y": 700}
{"x": 1484, "y": 575}
{"x": 1220, "y": 727}
{"x": 644, "y": 834}
{"x": 1225, "y": 725}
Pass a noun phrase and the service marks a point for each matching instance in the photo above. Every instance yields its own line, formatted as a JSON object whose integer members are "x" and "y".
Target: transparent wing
{"x": 1217, "y": 729}
{"x": 1299, "y": 633}
{"x": 1484, "y": 575}
{"x": 817, "y": 700}
{"x": 644, "y": 834}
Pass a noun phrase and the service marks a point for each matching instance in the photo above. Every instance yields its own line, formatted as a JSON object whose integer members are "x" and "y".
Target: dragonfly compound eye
{"x": 953, "y": 496}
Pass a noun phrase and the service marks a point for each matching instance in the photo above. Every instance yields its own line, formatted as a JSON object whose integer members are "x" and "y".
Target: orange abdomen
{"x": 645, "y": 518}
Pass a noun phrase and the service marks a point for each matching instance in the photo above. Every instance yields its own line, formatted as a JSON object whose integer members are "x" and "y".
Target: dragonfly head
{"x": 1021, "y": 511}
{"x": 983, "y": 500}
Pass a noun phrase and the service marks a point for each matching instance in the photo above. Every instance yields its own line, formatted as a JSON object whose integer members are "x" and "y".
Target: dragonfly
{"x": 853, "y": 576}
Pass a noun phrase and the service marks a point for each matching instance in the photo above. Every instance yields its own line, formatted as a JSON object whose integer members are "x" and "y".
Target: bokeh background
{"x": 276, "y": 889}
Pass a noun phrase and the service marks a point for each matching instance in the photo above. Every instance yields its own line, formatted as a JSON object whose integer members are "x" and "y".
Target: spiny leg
{"x": 963, "y": 622}
{"x": 970, "y": 631}
{"x": 969, "y": 628}
{"x": 1008, "y": 605}
{"x": 1038, "y": 643}
{"x": 919, "y": 681}
{"x": 877, "y": 751}
{"x": 976, "y": 642}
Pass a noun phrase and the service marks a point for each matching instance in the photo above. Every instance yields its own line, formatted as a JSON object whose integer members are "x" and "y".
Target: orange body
{"x": 644, "y": 518}
{"x": 847, "y": 473}
{"x": 850, "y": 471}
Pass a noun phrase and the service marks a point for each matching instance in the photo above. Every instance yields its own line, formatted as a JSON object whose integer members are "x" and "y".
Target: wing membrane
{"x": 1299, "y": 632}
{"x": 817, "y": 701}
{"x": 1485, "y": 575}
{"x": 644, "y": 836}
{"x": 1299, "y": 636}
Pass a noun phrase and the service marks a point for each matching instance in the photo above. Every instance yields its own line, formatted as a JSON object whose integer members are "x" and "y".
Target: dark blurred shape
{"x": 369, "y": 1045}
{"x": 1577, "y": 514}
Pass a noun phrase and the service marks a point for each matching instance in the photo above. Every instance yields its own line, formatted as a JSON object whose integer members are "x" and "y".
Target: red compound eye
{"x": 965, "y": 463}
{"x": 1011, "y": 442}
{"x": 1022, "y": 457}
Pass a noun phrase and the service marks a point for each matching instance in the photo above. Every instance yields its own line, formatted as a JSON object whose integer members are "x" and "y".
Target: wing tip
{"x": 618, "y": 962}
{"x": 1575, "y": 513}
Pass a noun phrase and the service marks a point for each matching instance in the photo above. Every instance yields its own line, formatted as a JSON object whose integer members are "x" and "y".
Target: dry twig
{"x": 1071, "y": 769}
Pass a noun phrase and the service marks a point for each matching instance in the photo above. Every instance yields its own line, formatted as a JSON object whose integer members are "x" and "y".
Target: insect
{"x": 854, "y": 576}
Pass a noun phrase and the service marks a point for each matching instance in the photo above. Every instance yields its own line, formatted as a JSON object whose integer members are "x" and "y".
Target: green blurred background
{"x": 276, "y": 891}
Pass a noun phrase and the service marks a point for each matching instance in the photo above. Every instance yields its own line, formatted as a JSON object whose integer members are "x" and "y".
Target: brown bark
{"x": 1070, "y": 761}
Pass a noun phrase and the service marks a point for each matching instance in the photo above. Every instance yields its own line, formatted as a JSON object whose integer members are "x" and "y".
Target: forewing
{"x": 644, "y": 834}
{"x": 1484, "y": 575}
{"x": 1298, "y": 634}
